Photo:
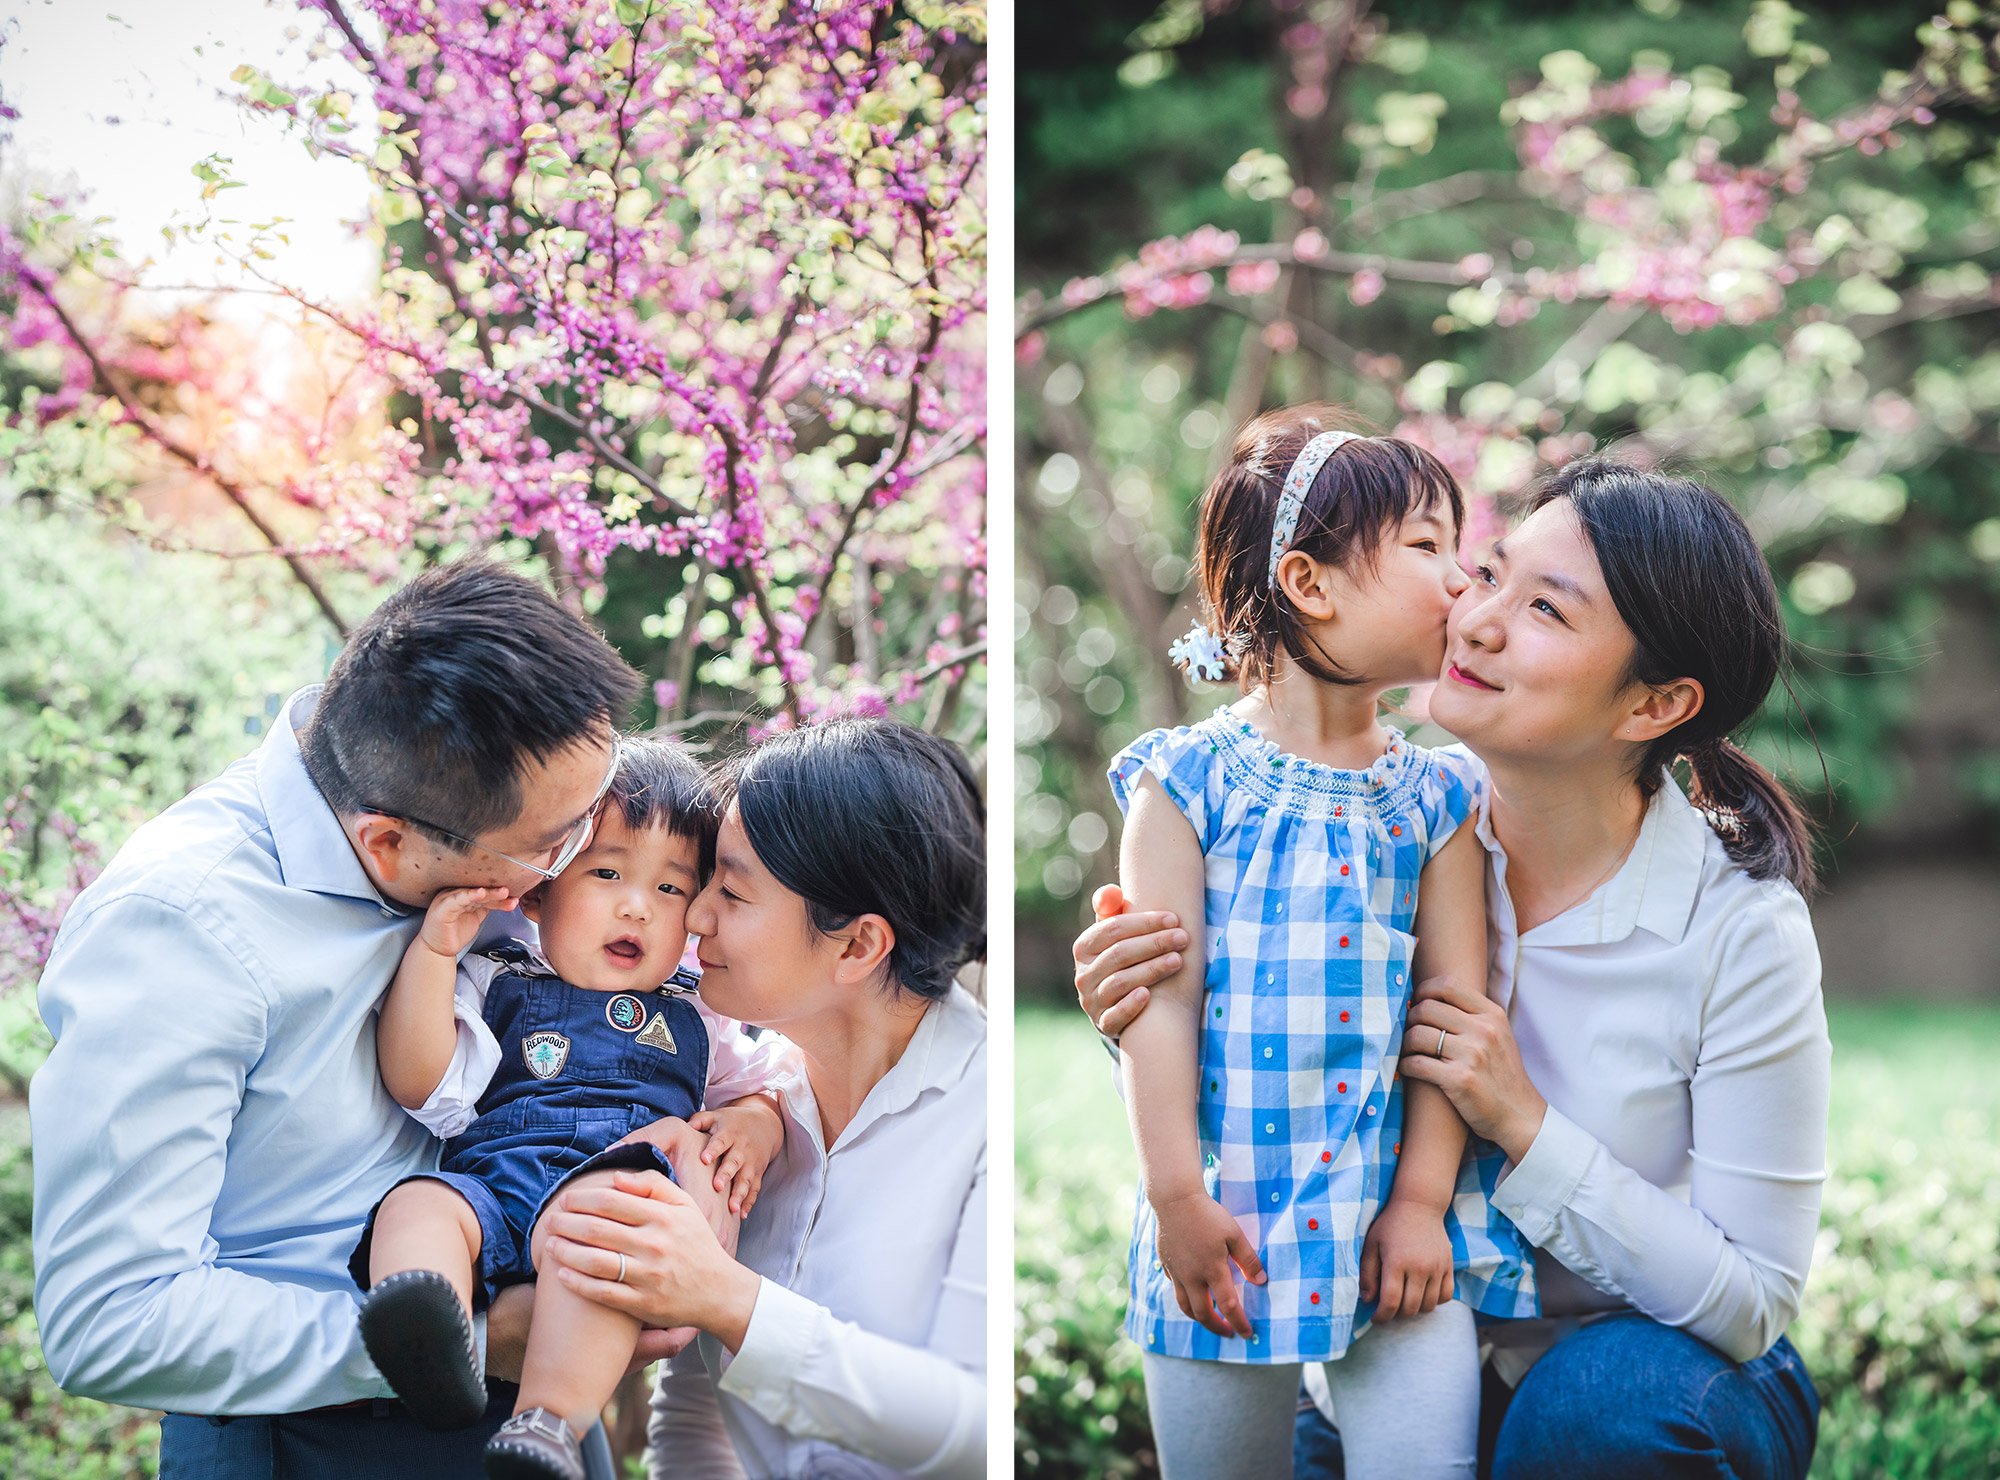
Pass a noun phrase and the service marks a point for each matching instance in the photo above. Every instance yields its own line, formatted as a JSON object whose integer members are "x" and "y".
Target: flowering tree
{"x": 1752, "y": 265}
{"x": 687, "y": 294}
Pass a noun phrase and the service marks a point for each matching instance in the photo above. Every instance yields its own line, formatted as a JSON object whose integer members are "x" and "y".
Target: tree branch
{"x": 115, "y": 387}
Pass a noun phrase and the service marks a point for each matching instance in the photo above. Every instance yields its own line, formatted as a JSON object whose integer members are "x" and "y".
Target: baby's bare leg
{"x": 577, "y": 1349}
{"x": 425, "y": 1225}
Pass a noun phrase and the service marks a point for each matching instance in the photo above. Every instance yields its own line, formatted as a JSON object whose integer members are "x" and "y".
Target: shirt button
{"x": 1326, "y": 1156}
{"x": 1343, "y": 942}
{"x": 1312, "y": 1222}
{"x": 387, "y": 913}
{"x": 1267, "y": 1053}
{"x": 1371, "y": 1109}
{"x": 1343, "y": 1011}
{"x": 1340, "y": 1088}
{"x": 1274, "y": 1197}
{"x": 1270, "y": 1127}
{"x": 1399, "y": 982}
{"x": 1315, "y": 1297}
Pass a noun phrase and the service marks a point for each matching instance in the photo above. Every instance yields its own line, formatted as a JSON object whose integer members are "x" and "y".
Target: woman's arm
{"x": 686, "y": 1438}
{"x": 917, "y": 1409}
{"x": 1729, "y": 1264}
{"x": 1407, "y": 1255}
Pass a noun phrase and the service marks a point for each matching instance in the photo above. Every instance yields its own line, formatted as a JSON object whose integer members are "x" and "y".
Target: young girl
{"x": 1326, "y": 859}
{"x": 547, "y": 1069}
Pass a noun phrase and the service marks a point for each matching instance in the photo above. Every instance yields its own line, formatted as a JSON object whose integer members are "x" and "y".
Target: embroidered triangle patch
{"x": 657, "y": 1034}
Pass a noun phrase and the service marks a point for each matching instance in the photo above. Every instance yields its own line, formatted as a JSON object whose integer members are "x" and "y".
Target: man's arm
{"x": 158, "y": 1024}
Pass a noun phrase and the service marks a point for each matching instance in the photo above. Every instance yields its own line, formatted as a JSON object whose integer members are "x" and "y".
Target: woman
{"x": 1653, "y": 1057}
{"x": 848, "y": 1334}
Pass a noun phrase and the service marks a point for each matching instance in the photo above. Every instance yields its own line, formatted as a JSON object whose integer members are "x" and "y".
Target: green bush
{"x": 1901, "y": 1323}
{"x": 44, "y": 1433}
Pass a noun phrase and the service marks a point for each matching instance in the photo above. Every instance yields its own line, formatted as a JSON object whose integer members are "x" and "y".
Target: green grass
{"x": 1901, "y": 1325}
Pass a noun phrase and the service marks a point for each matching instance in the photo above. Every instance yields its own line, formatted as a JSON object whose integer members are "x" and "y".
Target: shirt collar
{"x": 314, "y": 853}
{"x": 1654, "y": 889}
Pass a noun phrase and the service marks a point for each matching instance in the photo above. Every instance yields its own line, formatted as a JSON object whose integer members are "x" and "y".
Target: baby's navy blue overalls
{"x": 578, "y": 1071}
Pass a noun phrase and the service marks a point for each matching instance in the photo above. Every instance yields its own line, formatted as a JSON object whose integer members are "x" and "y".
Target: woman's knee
{"x": 1623, "y": 1397}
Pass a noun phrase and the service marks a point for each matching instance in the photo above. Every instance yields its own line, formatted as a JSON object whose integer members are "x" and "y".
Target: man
{"x": 210, "y": 1129}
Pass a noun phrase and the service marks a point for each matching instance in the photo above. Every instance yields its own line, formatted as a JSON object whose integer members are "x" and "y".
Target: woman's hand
{"x": 683, "y": 1143}
{"x": 744, "y": 1138}
{"x": 1120, "y": 957}
{"x": 676, "y": 1273}
{"x": 1481, "y": 1071}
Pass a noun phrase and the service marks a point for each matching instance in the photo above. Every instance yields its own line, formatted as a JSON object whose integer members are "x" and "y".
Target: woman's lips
{"x": 1471, "y": 681}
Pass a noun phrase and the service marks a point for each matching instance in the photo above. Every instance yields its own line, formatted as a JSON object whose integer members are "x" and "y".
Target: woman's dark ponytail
{"x": 1761, "y": 826}
{"x": 1689, "y": 581}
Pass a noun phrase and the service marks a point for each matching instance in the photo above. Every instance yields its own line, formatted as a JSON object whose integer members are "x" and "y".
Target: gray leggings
{"x": 1406, "y": 1396}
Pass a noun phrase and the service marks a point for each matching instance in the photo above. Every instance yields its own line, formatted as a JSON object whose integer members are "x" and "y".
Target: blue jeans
{"x": 380, "y": 1442}
{"x": 1627, "y": 1396}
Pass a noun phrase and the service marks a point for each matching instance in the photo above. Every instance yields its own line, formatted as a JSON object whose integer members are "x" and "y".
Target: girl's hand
{"x": 1199, "y": 1240}
{"x": 451, "y": 923}
{"x": 744, "y": 1138}
{"x": 1481, "y": 1071}
{"x": 676, "y": 1274}
{"x": 1406, "y": 1261}
{"x": 1120, "y": 957}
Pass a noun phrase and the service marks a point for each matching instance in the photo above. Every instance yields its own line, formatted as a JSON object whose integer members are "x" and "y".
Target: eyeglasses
{"x": 573, "y": 843}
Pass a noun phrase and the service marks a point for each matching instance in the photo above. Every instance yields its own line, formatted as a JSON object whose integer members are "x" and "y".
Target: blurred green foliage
{"x": 1856, "y": 429}
{"x": 44, "y": 1433}
{"x": 1901, "y": 1322}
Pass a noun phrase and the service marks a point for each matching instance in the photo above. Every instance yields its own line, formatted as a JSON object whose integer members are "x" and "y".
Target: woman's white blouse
{"x": 1674, "y": 1024}
{"x": 866, "y": 1354}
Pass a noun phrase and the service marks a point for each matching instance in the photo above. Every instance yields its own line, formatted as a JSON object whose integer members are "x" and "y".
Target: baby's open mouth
{"x": 626, "y": 949}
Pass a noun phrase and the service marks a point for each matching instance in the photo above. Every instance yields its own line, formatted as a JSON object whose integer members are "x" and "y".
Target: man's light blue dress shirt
{"x": 211, "y": 1128}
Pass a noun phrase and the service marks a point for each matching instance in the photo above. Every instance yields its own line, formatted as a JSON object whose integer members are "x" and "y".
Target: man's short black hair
{"x": 444, "y": 695}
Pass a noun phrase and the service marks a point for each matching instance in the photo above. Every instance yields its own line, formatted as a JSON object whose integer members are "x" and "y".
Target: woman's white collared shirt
{"x": 1674, "y": 1024}
{"x": 866, "y": 1354}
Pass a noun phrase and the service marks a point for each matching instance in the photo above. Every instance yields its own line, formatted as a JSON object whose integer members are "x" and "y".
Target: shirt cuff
{"x": 1539, "y": 1186}
{"x": 784, "y": 1327}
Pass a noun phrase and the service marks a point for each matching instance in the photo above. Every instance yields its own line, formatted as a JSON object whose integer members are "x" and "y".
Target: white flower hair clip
{"x": 1201, "y": 652}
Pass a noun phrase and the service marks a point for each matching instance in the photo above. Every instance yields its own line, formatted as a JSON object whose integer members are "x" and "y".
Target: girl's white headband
{"x": 1292, "y": 498}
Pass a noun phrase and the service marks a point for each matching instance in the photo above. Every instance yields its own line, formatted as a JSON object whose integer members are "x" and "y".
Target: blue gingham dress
{"x": 1311, "y": 899}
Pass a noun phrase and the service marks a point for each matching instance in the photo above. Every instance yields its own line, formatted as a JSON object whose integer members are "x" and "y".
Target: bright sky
{"x": 122, "y": 97}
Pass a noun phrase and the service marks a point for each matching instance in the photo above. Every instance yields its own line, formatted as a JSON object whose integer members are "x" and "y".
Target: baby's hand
{"x": 744, "y": 1137}
{"x": 452, "y": 921}
{"x": 1198, "y": 1242}
{"x": 1407, "y": 1259}
{"x": 681, "y": 1142}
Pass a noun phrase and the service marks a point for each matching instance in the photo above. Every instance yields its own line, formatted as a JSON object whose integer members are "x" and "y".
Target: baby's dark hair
{"x": 874, "y": 817}
{"x": 1354, "y": 503}
{"x": 658, "y": 784}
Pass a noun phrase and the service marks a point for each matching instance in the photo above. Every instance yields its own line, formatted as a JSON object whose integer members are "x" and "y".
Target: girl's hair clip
{"x": 1201, "y": 653}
